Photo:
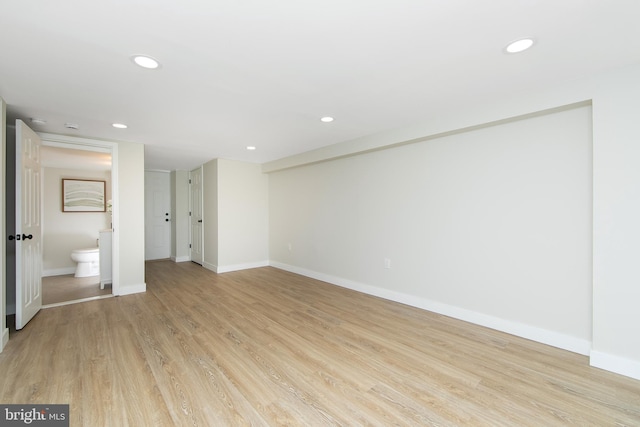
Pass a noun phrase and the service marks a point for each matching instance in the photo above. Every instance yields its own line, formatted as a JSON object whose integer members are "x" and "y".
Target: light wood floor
{"x": 57, "y": 289}
{"x": 267, "y": 347}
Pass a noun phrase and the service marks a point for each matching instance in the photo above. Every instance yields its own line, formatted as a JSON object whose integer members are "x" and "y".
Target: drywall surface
{"x": 492, "y": 225}
{"x": 63, "y": 232}
{"x": 242, "y": 215}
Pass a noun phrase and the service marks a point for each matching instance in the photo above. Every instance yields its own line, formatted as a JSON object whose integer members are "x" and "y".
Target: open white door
{"x": 28, "y": 225}
{"x": 195, "y": 184}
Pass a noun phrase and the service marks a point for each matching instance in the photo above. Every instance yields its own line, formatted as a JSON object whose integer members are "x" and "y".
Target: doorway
{"x": 107, "y": 153}
{"x": 78, "y": 158}
{"x": 65, "y": 232}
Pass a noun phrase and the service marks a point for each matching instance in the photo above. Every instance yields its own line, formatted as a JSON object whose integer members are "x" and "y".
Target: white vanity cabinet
{"x": 105, "y": 245}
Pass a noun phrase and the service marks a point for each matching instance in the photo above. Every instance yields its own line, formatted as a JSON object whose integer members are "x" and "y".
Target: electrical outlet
{"x": 387, "y": 263}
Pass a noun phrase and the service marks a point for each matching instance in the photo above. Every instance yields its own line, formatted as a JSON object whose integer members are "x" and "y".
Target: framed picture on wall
{"x": 83, "y": 195}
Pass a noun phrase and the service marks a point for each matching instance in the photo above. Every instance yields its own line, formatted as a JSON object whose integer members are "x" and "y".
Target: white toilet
{"x": 88, "y": 262}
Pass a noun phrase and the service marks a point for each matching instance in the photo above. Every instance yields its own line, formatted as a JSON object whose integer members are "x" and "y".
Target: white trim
{"x": 5, "y": 339}
{"x": 617, "y": 364}
{"x": 210, "y": 266}
{"x": 181, "y": 259}
{"x": 552, "y": 338}
{"x": 58, "y": 271}
{"x": 63, "y": 141}
{"x": 133, "y": 289}
{"x": 219, "y": 269}
{"x": 245, "y": 266}
{"x": 75, "y": 301}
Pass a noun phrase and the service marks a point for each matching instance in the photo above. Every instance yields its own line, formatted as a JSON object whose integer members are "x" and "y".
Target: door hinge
{"x": 189, "y": 181}
{"x": 189, "y": 213}
{"x": 189, "y": 245}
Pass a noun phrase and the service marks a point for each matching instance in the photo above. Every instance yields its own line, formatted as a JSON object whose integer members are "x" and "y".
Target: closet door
{"x": 157, "y": 208}
{"x": 195, "y": 185}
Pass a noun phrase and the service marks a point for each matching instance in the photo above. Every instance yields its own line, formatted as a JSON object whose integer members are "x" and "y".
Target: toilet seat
{"x": 86, "y": 251}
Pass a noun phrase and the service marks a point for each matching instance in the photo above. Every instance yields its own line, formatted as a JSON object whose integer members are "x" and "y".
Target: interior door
{"x": 196, "y": 215}
{"x": 157, "y": 211}
{"x": 28, "y": 225}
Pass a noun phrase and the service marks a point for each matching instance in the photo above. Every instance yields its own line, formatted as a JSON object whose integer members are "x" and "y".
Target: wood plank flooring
{"x": 59, "y": 289}
{"x": 266, "y": 347}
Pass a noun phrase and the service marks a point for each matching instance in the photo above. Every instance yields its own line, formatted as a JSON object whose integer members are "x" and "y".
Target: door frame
{"x": 4, "y": 331}
{"x": 87, "y": 144}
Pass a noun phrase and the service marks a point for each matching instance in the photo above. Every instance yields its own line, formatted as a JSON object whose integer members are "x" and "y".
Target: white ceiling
{"x": 248, "y": 72}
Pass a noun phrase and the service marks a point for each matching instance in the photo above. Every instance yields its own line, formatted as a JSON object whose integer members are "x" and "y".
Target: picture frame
{"x": 83, "y": 195}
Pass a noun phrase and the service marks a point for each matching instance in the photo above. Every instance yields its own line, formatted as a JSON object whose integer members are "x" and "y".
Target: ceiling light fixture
{"x": 251, "y": 147}
{"x": 119, "y": 125}
{"x": 326, "y": 119}
{"x": 73, "y": 126}
{"x": 519, "y": 45}
{"x": 38, "y": 121}
{"x": 145, "y": 61}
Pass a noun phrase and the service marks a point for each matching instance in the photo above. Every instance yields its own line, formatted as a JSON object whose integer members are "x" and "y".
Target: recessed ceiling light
{"x": 38, "y": 121}
{"x": 145, "y": 61}
{"x": 73, "y": 126}
{"x": 519, "y": 45}
{"x": 326, "y": 119}
{"x": 119, "y": 125}
{"x": 251, "y": 147}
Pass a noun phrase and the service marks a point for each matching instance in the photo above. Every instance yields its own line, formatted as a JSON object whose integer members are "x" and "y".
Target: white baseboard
{"x": 210, "y": 266}
{"x": 132, "y": 289}
{"x": 58, "y": 271}
{"x": 617, "y": 364}
{"x": 540, "y": 335}
{"x": 234, "y": 267}
{"x": 5, "y": 339}
{"x": 237, "y": 267}
{"x": 180, "y": 259}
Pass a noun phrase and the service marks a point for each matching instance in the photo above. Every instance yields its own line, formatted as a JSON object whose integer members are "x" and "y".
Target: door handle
{"x": 18, "y": 237}
{"x": 199, "y": 220}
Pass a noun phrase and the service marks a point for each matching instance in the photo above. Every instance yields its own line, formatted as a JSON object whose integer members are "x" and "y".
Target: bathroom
{"x": 64, "y": 231}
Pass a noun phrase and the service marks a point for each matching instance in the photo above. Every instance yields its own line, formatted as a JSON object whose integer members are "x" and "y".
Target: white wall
{"x": 210, "y": 215}
{"x": 243, "y": 219}
{"x": 65, "y": 231}
{"x": 493, "y": 223}
{"x": 235, "y": 216}
{"x": 4, "y": 332}
{"x": 616, "y": 232}
{"x": 615, "y": 342}
{"x": 180, "y": 216}
{"x": 128, "y": 216}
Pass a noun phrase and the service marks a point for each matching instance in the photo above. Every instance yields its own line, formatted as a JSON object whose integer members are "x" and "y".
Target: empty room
{"x": 342, "y": 213}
